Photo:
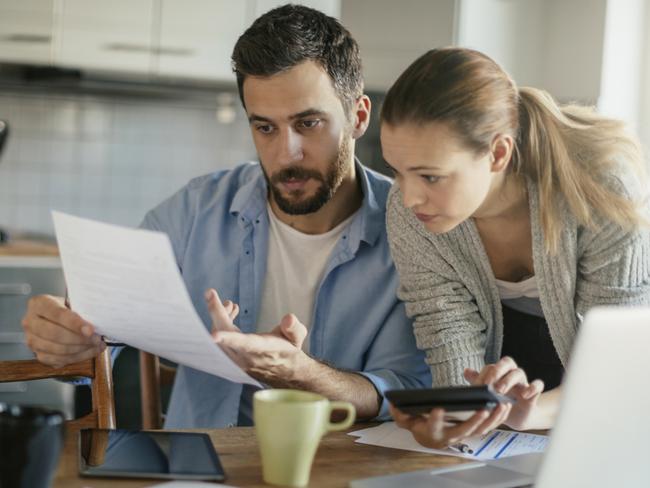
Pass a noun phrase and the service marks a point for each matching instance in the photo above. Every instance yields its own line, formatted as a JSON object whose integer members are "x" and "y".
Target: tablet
{"x": 452, "y": 399}
{"x": 144, "y": 454}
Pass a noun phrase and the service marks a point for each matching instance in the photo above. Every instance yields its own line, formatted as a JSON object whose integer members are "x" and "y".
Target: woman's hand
{"x": 433, "y": 431}
{"x": 506, "y": 378}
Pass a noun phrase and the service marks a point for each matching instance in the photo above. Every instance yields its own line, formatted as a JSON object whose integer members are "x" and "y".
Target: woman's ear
{"x": 501, "y": 152}
{"x": 361, "y": 116}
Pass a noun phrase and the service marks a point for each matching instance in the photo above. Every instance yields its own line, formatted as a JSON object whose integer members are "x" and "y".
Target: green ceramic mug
{"x": 289, "y": 425}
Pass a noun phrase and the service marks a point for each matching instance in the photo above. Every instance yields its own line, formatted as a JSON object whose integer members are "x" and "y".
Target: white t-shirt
{"x": 294, "y": 269}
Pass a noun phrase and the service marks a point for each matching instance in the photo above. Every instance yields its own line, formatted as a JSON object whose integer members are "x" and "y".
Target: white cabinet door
{"x": 105, "y": 35}
{"x": 329, "y": 7}
{"x": 197, "y": 37}
{"x": 26, "y": 31}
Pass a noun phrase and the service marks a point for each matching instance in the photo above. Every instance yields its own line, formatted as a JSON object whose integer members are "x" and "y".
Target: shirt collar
{"x": 251, "y": 199}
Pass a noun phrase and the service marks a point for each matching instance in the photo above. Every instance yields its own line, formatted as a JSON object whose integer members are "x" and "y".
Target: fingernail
{"x": 87, "y": 330}
{"x": 102, "y": 347}
{"x": 208, "y": 295}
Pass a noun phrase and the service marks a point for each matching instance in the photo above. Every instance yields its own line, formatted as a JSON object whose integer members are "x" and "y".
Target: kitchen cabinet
{"x": 197, "y": 36}
{"x": 164, "y": 39}
{"x": 21, "y": 277}
{"x": 105, "y": 36}
{"x": 259, "y": 7}
{"x": 26, "y": 31}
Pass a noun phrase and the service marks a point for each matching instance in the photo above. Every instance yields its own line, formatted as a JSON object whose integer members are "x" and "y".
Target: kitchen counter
{"x": 28, "y": 248}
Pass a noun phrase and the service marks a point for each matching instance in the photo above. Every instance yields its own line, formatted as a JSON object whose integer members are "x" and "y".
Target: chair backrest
{"x": 98, "y": 370}
{"x": 153, "y": 375}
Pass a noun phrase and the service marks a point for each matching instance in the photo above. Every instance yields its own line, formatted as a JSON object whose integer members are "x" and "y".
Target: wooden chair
{"x": 98, "y": 370}
{"x": 153, "y": 375}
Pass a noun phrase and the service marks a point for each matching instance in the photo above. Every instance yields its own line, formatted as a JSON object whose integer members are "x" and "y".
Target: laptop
{"x": 601, "y": 437}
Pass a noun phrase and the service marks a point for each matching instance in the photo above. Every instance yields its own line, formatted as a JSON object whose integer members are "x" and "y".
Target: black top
{"x": 526, "y": 340}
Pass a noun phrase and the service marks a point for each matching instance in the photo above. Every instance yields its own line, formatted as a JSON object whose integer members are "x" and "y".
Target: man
{"x": 301, "y": 232}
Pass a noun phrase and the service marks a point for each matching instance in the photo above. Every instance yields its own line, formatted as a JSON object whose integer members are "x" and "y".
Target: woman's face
{"x": 441, "y": 181}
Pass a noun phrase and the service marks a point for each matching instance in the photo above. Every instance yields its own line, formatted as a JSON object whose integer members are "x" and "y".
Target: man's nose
{"x": 290, "y": 148}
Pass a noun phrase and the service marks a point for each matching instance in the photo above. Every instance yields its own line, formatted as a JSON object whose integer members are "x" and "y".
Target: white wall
{"x": 391, "y": 34}
{"x": 573, "y": 48}
{"x": 644, "y": 118}
{"x": 623, "y": 56}
{"x": 510, "y": 32}
{"x": 551, "y": 44}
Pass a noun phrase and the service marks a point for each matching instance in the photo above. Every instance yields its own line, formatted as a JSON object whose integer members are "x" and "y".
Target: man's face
{"x": 302, "y": 136}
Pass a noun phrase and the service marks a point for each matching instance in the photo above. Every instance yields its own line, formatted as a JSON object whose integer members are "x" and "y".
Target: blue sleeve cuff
{"x": 382, "y": 384}
{"x": 115, "y": 351}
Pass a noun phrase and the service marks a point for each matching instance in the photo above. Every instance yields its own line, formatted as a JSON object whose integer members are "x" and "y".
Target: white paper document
{"x": 494, "y": 445}
{"x": 127, "y": 284}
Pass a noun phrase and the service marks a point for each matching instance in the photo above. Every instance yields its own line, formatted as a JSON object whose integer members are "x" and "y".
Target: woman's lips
{"x": 425, "y": 217}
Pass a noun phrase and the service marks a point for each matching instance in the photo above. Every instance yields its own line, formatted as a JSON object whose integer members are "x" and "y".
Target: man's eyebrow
{"x": 257, "y": 118}
{"x": 305, "y": 113}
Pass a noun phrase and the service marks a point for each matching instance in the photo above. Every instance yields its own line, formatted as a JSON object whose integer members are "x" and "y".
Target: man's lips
{"x": 294, "y": 184}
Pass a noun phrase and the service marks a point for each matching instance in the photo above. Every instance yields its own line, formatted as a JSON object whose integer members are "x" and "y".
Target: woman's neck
{"x": 507, "y": 199}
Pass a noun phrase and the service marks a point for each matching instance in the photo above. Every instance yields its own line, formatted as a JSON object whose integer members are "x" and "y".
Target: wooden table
{"x": 338, "y": 461}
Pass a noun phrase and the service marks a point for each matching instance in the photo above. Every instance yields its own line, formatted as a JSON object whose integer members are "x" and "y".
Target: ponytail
{"x": 574, "y": 152}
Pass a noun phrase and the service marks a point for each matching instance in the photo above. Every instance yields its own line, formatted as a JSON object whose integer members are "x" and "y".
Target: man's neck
{"x": 345, "y": 202}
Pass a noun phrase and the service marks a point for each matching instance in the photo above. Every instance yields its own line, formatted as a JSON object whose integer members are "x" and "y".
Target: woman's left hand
{"x": 433, "y": 431}
{"x": 506, "y": 378}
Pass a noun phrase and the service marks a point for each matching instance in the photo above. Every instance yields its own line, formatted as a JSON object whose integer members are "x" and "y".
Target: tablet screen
{"x": 145, "y": 454}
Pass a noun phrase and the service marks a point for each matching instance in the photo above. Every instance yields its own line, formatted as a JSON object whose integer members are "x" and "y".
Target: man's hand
{"x": 275, "y": 358}
{"x": 57, "y": 335}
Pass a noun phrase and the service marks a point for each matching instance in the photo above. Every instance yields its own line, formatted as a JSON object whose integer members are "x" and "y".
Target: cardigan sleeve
{"x": 613, "y": 267}
{"x": 446, "y": 321}
{"x": 614, "y": 263}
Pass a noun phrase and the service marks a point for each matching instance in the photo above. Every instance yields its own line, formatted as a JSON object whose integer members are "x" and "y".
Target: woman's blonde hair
{"x": 567, "y": 150}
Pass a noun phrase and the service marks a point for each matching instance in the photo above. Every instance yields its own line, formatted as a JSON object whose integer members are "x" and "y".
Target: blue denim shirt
{"x": 218, "y": 226}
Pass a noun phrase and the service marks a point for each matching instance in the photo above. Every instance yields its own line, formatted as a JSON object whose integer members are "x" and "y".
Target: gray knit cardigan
{"x": 450, "y": 291}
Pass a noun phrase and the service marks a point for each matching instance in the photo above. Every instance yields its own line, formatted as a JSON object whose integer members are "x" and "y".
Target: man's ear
{"x": 361, "y": 116}
{"x": 501, "y": 152}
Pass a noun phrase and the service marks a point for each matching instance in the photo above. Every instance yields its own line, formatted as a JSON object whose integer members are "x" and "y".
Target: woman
{"x": 510, "y": 218}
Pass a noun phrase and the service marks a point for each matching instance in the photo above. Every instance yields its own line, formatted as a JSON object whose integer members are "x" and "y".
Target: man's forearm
{"x": 312, "y": 375}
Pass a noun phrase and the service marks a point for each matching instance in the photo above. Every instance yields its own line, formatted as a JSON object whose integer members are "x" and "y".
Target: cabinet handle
{"x": 26, "y": 38}
{"x": 13, "y": 387}
{"x": 17, "y": 289}
{"x": 139, "y": 48}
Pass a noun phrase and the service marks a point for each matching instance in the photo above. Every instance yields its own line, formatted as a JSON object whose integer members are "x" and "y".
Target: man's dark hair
{"x": 289, "y": 35}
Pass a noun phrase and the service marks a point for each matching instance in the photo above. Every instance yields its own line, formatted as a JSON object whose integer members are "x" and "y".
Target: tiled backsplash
{"x": 105, "y": 157}
{"x": 114, "y": 158}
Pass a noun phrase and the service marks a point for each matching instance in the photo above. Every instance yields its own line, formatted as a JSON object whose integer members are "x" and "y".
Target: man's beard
{"x": 329, "y": 183}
